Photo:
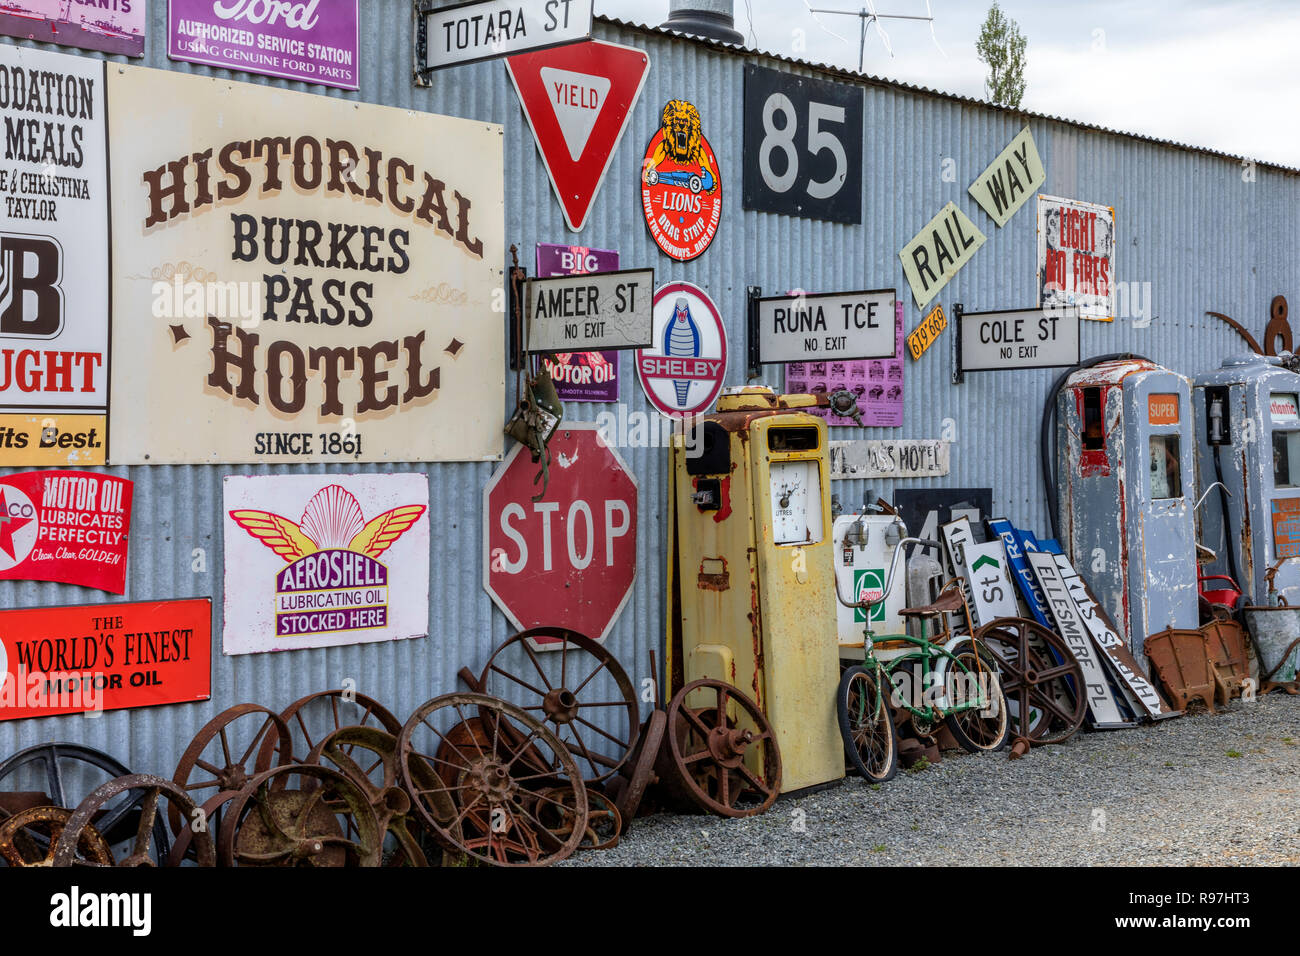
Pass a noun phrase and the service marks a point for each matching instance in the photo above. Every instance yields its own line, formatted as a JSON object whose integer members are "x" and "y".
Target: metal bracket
{"x": 420, "y": 42}
{"x": 753, "y": 293}
{"x": 957, "y": 312}
{"x": 518, "y": 275}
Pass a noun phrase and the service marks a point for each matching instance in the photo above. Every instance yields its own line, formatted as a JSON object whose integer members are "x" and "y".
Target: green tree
{"x": 1001, "y": 45}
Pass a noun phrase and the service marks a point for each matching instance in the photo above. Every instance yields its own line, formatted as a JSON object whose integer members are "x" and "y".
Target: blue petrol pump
{"x": 1125, "y": 502}
{"x": 1248, "y": 437}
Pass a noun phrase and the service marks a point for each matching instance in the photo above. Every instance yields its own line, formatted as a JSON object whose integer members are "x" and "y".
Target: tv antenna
{"x": 868, "y": 16}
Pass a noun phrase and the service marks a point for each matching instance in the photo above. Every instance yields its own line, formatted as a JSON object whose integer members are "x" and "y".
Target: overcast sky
{"x": 1218, "y": 73}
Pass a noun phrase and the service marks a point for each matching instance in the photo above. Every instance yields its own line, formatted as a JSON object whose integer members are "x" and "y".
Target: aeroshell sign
{"x": 829, "y": 326}
{"x": 1019, "y": 339}
{"x": 607, "y": 310}
{"x": 323, "y": 560}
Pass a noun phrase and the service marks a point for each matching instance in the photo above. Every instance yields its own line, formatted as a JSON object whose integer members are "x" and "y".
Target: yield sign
{"x": 578, "y": 100}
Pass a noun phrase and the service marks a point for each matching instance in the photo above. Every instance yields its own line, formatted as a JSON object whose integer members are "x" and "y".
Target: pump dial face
{"x": 796, "y": 496}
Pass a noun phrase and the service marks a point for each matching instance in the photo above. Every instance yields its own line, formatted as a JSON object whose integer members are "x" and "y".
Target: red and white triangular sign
{"x": 578, "y": 99}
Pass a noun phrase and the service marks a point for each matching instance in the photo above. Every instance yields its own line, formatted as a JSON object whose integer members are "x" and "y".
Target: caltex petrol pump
{"x": 750, "y": 574}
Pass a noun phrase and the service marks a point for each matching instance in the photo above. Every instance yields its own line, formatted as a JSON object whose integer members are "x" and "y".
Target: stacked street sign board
{"x": 1055, "y": 595}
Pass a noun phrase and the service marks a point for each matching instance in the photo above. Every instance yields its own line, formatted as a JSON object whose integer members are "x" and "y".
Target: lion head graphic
{"x": 681, "y": 126}
{"x": 682, "y": 143}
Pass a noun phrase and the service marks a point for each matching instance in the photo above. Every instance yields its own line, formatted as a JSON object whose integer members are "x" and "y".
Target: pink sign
{"x": 877, "y": 383}
{"x": 314, "y": 41}
{"x": 111, "y": 26}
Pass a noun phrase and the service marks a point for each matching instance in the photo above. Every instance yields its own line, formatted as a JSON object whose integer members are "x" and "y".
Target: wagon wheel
{"x": 704, "y": 761}
{"x": 367, "y": 756}
{"x": 64, "y": 768}
{"x": 149, "y": 844}
{"x": 210, "y": 813}
{"x": 324, "y": 821}
{"x": 585, "y": 723}
{"x": 484, "y": 799}
{"x": 316, "y": 715}
{"x": 28, "y": 838}
{"x": 215, "y": 759}
{"x": 628, "y": 789}
{"x": 1040, "y": 678}
{"x": 604, "y": 824}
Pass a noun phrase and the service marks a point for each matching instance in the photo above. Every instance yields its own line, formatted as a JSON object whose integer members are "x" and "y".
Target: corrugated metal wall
{"x": 1187, "y": 223}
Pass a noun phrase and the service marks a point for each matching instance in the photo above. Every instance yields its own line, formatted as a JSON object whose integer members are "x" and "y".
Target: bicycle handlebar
{"x": 889, "y": 582}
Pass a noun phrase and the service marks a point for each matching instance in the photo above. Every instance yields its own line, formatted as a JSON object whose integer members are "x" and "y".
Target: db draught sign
{"x": 681, "y": 188}
{"x": 578, "y": 100}
{"x": 682, "y": 372}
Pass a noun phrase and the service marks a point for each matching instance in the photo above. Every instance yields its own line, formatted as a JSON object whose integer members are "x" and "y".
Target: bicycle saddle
{"x": 949, "y": 599}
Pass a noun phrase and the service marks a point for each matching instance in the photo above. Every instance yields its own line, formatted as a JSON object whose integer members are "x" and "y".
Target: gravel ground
{"x": 1196, "y": 790}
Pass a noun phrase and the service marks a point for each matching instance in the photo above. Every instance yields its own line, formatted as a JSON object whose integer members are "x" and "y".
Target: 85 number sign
{"x": 803, "y": 146}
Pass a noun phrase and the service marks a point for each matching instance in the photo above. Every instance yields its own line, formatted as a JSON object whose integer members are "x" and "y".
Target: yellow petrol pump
{"x": 750, "y": 571}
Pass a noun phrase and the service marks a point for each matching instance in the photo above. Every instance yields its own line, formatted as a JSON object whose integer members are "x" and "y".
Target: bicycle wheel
{"x": 978, "y": 730}
{"x": 867, "y": 726}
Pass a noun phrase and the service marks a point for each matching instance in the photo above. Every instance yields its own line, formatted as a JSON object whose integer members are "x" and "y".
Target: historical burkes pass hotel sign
{"x": 302, "y": 278}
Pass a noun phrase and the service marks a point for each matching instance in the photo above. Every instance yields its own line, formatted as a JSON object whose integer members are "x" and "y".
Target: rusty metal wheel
{"x": 300, "y": 815}
{"x": 484, "y": 799}
{"x": 316, "y": 715}
{"x": 149, "y": 845}
{"x": 638, "y": 774}
{"x": 596, "y": 720}
{"x": 368, "y": 757}
{"x": 716, "y": 762}
{"x": 1041, "y": 679}
{"x": 604, "y": 824}
{"x": 210, "y": 762}
{"x": 205, "y": 820}
{"x": 28, "y": 838}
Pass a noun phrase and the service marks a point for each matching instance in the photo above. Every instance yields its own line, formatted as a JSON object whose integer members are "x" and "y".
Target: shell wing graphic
{"x": 279, "y": 534}
{"x": 378, "y": 536}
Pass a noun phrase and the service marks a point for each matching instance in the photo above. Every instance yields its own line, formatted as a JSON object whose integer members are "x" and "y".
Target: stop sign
{"x": 568, "y": 560}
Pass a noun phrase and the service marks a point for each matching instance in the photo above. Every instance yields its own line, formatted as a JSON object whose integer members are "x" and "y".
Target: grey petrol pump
{"x": 1248, "y": 437}
{"x": 1125, "y": 493}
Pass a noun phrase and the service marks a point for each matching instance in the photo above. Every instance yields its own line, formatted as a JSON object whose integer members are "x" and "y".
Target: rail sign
{"x": 830, "y": 326}
{"x": 1019, "y": 339}
{"x": 487, "y": 29}
{"x": 588, "y": 313}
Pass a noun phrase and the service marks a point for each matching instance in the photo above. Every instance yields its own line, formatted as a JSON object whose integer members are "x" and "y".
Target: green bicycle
{"x": 950, "y": 678}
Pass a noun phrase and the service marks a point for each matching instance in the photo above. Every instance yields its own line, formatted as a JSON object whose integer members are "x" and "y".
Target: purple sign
{"x": 580, "y": 376}
{"x": 878, "y": 383}
{"x": 314, "y": 41}
{"x": 111, "y": 26}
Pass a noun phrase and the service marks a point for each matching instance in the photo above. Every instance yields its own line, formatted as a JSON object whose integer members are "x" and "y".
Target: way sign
{"x": 568, "y": 560}
{"x": 605, "y": 311}
{"x": 578, "y": 100}
{"x": 486, "y": 29}
{"x": 1017, "y": 339}
{"x": 835, "y": 326}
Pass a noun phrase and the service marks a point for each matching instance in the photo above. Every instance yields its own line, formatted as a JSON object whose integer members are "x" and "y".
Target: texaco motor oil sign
{"x": 321, "y": 560}
{"x": 300, "y": 278}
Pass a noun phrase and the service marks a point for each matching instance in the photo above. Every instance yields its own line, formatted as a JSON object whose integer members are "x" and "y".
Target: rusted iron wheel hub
{"x": 728, "y": 745}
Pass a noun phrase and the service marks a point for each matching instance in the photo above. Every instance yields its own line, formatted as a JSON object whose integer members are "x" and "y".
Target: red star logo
{"x": 8, "y": 525}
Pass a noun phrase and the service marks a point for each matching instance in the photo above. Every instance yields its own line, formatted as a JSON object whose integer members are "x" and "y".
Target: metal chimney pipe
{"x": 711, "y": 19}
